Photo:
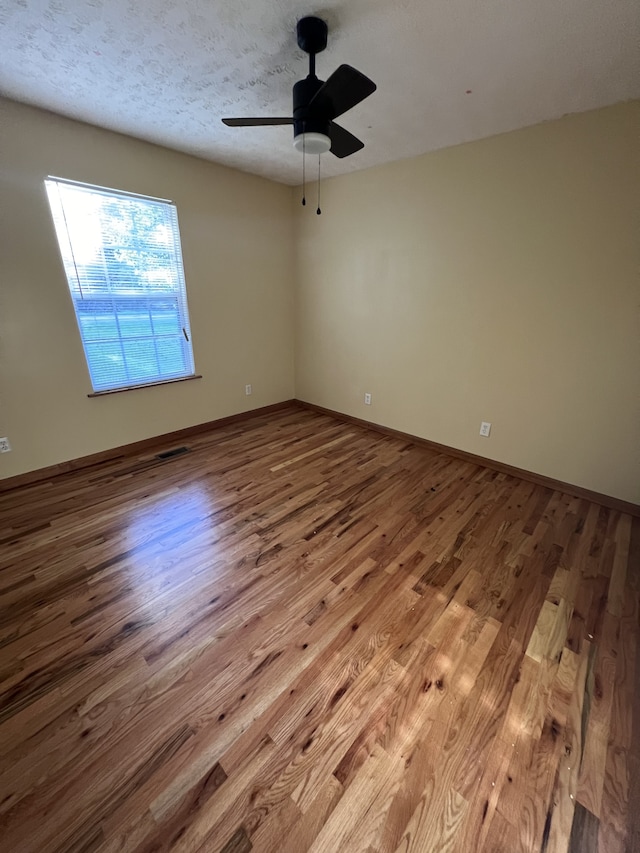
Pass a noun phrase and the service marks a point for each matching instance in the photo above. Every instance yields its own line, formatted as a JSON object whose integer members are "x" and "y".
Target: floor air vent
{"x": 168, "y": 454}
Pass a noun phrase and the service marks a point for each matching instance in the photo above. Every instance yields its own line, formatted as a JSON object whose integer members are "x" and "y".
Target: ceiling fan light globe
{"x": 312, "y": 143}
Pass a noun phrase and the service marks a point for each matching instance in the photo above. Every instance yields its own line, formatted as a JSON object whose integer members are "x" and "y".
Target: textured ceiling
{"x": 447, "y": 71}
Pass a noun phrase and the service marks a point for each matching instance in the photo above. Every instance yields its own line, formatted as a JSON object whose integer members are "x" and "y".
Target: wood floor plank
{"x": 600, "y": 690}
{"x": 302, "y": 636}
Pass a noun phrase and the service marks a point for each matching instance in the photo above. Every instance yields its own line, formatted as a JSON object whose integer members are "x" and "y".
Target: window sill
{"x": 146, "y": 385}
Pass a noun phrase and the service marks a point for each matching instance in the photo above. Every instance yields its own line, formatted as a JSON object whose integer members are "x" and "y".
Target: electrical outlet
{"x": 367, "y": 399}
{"x": 5, "y": 447}
{"x": 247, "y": 389}
{"x": 485, "y": 429}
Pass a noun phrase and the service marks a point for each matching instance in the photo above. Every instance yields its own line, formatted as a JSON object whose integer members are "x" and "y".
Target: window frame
{"x": 111, "y": 295}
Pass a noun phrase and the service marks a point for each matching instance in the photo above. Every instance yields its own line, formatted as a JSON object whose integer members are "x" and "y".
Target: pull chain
{"x": 318, "y": 211}
{"x": 304, "y": 200}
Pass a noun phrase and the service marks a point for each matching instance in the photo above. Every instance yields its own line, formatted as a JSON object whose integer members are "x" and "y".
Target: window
{"x": 123, "y": 261}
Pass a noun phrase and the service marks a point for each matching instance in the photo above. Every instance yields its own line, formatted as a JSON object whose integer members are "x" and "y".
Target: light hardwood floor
{"x": 305, "y": 636}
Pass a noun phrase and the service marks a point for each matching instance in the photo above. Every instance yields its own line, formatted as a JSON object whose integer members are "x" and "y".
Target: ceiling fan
{"x": 316, "y": 103}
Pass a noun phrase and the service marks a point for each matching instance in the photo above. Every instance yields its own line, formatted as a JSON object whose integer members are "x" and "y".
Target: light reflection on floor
{"x": 181, "y": 515}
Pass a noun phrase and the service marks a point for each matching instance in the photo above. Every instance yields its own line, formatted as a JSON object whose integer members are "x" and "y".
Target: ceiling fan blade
{"x": 343, "y": 143}
{"x": 344, "y": 89}
{"x": 255, "y": 122}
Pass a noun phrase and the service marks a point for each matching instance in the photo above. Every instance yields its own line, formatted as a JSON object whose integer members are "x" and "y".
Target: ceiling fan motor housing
{"x": 304, "y": 119}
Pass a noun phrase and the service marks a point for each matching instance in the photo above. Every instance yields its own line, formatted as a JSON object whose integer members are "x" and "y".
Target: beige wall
{"x": 237, "y": 246}
{"x": 494, "y": 281}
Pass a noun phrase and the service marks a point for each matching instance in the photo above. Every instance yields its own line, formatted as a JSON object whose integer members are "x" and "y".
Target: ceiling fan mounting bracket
{"x": 312, "y": 35}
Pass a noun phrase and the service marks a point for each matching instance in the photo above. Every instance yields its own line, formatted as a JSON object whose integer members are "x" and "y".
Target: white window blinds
{"x": 123, "y": 261}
